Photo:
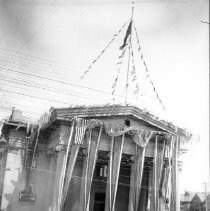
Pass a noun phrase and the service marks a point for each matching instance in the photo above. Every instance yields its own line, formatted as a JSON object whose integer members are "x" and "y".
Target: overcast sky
{"x": 73, "y": 33}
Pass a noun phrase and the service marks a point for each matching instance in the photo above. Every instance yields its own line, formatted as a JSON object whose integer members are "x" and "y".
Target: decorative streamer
{"x": 62, "y": 190}
{"x": 102, "y": 52}
{"x": 134, "y": 76}
{"x": 146, "y": 68}
{"x": 33, "y": 158}
{"x": 81, "y": 126}
{"x": 121, "y": 57}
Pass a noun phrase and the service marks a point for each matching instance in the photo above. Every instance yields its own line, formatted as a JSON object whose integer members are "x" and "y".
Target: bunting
{"x": 134, "y": 75}
{"x": 119, "y": 64}
{"x": 102, "y": 52}
{"x": 146, "y": 68}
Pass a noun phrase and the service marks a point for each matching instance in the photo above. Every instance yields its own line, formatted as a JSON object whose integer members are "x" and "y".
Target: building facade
{"x": 91, "y": 158}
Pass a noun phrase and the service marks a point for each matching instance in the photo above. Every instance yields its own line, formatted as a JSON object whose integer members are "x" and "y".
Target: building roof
{"x": 189, "y": 196}
{"x": 66, "y": 114}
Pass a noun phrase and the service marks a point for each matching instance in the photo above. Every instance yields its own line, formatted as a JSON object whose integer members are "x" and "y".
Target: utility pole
{"x": 206, "y": 195}
{"x": 129, "y": 54}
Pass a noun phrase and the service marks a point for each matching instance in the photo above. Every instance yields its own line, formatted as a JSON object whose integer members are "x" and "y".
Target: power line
{"x": 41, "y": 26}
{"x": 39, "y": 58}
{"x": 59, "y": 81}
{"x": 80, "y": 177}
{"x": 50, "y": 67}
{"x": 39, "y": 87}
{"x": 35, "y": 65}
{"x": 23, "y": 89}
{"x": 44, "y": 88}
{"x": 41, "y": 98}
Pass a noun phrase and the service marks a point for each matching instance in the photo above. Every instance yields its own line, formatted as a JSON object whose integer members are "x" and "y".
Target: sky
{"x": 58, "y": 40}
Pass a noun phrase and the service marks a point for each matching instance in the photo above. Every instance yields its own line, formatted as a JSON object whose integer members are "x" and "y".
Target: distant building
{"x": 192, "y": 201}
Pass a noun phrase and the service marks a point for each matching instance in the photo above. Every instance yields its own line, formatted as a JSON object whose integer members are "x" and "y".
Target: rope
{"x": 134, "y": 75}
{"x": 146, "y": 68}
{"x": 103, "y": 51}
{"x": 121, "y": 57}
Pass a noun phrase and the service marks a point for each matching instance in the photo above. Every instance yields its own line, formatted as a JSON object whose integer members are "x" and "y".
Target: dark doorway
{"x": 99, "y": 202}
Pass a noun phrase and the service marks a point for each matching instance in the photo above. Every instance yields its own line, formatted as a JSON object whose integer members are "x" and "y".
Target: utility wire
{"x": 59, "y": 81}
{"x": 41, "y": 98}
{"x": 41, "y": 26}
{"x": 74, "y": 176}
{"x": 41, "y": 60}
{"x": 36, "y": 64}
{"x": 39, "y": 87}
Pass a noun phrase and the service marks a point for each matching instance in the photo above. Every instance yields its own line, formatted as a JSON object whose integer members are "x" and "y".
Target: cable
{"x": 103, "y": 51}
{"x": 59, "y": 81}
{"x": 32, "y": 111}
{"x": 49, "y": 67}
{"x": 39, "y": 58}
{"x": 41, "y": 25}
{"x": 42, "y": 98}
{"x": 47, "y": 89}
{"x": 146, "y": 68}
{"x": 74, "y": 176}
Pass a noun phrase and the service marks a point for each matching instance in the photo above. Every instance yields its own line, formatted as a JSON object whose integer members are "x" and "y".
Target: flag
{"x": 80, "y": 129}
{"x": 128, "y": 32}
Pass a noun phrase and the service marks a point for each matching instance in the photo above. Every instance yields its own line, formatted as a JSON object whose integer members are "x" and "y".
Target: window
{"x": 99, "y": 202}
{"x": 102, "y": 171}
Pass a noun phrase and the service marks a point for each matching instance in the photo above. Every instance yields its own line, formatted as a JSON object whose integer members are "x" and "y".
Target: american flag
{"x": 81, "y": 126}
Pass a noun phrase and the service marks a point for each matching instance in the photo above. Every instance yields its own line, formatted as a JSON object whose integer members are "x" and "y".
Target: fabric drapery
{"x": 141, "y": 139}
{"x": 114, "y": 171}
{"x": 80, "y": 128}
{"x": 137, "y": 178}
{"x": 89, "y": 166}
{"x": 160, "y": 159}
{"x": 64, "y": 168}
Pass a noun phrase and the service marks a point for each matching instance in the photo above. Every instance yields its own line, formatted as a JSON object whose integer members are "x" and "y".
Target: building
{"x": 192, "y": 201}
{"x": 90, "y": 158}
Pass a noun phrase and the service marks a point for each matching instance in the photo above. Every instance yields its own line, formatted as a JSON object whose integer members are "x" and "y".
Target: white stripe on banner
{"x": 80, "y": 129}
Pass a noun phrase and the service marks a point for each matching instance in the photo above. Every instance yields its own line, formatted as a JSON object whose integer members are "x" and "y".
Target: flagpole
{"x": 127, "y": 78}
